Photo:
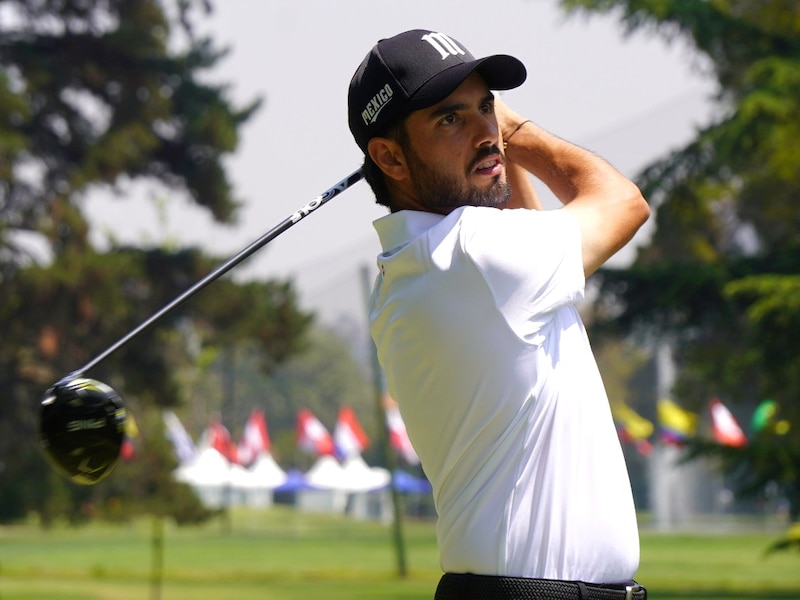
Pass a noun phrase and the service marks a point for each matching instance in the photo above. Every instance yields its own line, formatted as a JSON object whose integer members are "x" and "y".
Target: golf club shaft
{"x": 218, "y": 272}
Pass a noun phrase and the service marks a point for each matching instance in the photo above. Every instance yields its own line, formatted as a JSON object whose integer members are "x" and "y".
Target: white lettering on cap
{"x": 443, "y": 44}
{"x": 377, "y": 104}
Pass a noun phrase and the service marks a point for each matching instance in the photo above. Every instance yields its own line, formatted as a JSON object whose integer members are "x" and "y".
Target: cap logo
{"x": 443, "y": 44}
{"x": 377, "y": 104}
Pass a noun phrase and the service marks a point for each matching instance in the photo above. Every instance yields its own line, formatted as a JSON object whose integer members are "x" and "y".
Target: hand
{"x": 507, "y": 120}
{"x": 523, "y": 194}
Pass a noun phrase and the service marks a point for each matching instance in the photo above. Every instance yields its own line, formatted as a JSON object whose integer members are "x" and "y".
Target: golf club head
{"x": 82, "y": 426}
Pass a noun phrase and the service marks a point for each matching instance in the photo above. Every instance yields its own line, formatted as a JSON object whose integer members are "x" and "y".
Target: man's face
{"x": 453, "y": 151}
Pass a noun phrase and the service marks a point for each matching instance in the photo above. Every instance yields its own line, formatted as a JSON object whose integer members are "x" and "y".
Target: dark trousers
{"x": 466, "y": 586}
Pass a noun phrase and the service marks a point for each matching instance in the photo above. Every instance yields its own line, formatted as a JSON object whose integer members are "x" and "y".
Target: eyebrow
{"x": 449, "y": 108}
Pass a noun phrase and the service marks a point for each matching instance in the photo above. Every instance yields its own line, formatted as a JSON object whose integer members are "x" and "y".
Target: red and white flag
{"x": 220, "y": 440}
{"x": 312, "y": 436}
{"x": 398, "y": 436}
{"x": 255, "y": 438}
{"x": 724, "y": 426}
{"x": 348, "y": 436}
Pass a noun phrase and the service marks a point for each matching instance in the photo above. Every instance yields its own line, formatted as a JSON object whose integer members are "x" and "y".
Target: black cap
{"x": 414, "y": 70}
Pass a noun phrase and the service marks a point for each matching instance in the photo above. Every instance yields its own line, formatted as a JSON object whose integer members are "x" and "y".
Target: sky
{"x": 630, "y": 100}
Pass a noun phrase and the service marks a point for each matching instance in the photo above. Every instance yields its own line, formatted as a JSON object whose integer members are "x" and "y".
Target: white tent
{"x": 359, "y": 477}
{"x": 326, "y": 474}
{"x": 211, "y": 476}
{"x": 219, "y": 482}
{"x": 266, "y": 472}
{"x": 353, "y": 476}
{"x": 353, "y": 488}
{"x": 368, "y": 498}
{"x": 263, "y": 476}
{"x": 208, "y": 468}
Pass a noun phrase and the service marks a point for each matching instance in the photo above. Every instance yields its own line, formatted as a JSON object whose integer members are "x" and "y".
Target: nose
{"x": 487, "y": 131}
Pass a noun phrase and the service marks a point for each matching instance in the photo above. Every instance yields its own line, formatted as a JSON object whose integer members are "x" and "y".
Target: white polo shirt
{"x": 474, "y": 319}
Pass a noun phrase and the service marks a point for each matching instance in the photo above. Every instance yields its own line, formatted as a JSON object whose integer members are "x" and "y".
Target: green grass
{"x": 284, "y": 555}
{"x": 717, "y": 566}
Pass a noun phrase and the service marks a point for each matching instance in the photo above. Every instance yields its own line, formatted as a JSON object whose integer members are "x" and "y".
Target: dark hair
{"x": 372, "y": 172}
{"x": 376, "y": 180}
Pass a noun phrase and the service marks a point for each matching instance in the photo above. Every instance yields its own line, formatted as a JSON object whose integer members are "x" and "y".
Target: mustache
{"x": 484, "y": 153}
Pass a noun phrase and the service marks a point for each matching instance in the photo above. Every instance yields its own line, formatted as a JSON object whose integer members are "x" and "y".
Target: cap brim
{"x": 500, "y": 71}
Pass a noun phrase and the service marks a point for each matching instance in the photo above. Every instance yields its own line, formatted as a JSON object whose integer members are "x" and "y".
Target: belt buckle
{"x": 630, "y": 589}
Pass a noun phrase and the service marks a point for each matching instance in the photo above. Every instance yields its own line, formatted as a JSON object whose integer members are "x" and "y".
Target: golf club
{"x": 82, "y": 420}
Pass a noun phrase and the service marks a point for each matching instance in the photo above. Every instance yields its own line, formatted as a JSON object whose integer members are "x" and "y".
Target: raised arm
{"x": 608, "y": 206}
{"x": 523, "y": 194}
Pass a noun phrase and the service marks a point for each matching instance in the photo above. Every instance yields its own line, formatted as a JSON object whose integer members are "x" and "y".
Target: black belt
{"x": 467, "y": 586}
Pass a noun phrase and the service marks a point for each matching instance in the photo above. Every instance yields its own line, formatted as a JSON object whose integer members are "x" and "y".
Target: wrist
{"x": 507, "y": 138}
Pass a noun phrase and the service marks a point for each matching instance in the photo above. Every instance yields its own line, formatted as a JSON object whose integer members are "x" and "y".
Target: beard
{"x": 443, "y": 192}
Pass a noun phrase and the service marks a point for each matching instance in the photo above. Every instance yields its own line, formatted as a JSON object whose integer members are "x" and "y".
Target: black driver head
{"x": 82, "y": 427}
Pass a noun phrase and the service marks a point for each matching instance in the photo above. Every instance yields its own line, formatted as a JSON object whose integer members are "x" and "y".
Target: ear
{"x": 390, "y": 158}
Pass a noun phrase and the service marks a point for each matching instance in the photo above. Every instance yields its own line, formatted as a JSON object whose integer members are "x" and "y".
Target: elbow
{"x": 639, "y": 210}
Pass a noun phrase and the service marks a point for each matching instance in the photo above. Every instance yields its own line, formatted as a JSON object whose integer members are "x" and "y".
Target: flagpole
{"x": 383, "y": 429}
{"x": 228, "y": 376}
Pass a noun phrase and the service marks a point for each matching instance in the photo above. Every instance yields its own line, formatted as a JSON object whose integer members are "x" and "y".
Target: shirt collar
{"x": 398, "y": 229}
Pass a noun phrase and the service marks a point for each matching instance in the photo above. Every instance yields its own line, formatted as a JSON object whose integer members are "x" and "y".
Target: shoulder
{"x": 518, "y": 225}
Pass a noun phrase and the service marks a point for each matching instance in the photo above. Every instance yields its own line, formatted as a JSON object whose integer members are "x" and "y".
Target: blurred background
{"x": 143, "y": 142}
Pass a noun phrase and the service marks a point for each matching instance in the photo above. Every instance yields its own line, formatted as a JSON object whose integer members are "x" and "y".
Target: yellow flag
{"x": 636, "y": 426}
{"x": 131, "y": 428}
{"x": 675, "y": 419}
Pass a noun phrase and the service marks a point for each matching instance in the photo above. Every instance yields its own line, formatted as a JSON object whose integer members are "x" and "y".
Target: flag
{"x": 677, "y": 424}
{"x": 764, "y": 414}
{"x": 632, "y": 428}
{"x": 398, "y": 436}
{"x": 128, "y": 451}
{"x": 635, "y": 425}
{"x": 220, "y": 439}
{"x": 348, "y": 436}
{"x": 642, "y": 445}
{"x": 765, "y": 418}
{"x": 312, "y": 437}
{"x": 181, "y": 441}
{"x": 255, "y": 438}
{"x": 724, "y": 427}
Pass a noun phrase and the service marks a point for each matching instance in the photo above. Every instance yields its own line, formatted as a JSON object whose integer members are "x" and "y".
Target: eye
{"x": 448, "y": 119}
{"x": 487, "y": 108}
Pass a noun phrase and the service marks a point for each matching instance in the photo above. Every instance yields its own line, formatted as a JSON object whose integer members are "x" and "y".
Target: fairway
{"x": 281, "y": 554}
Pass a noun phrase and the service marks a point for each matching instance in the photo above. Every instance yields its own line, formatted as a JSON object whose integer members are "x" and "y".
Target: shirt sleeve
{"x": 530, "y": 260}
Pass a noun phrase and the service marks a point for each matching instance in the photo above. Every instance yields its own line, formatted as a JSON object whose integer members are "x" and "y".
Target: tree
{"x": 96, "y": 95}
{"x": 714, "y": 278}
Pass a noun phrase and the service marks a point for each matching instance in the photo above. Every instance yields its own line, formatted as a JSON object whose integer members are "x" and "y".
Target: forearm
{"x": 608, "y": 207}
{"x": 523, "y": 194}
{"x": 568, "y": 170}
